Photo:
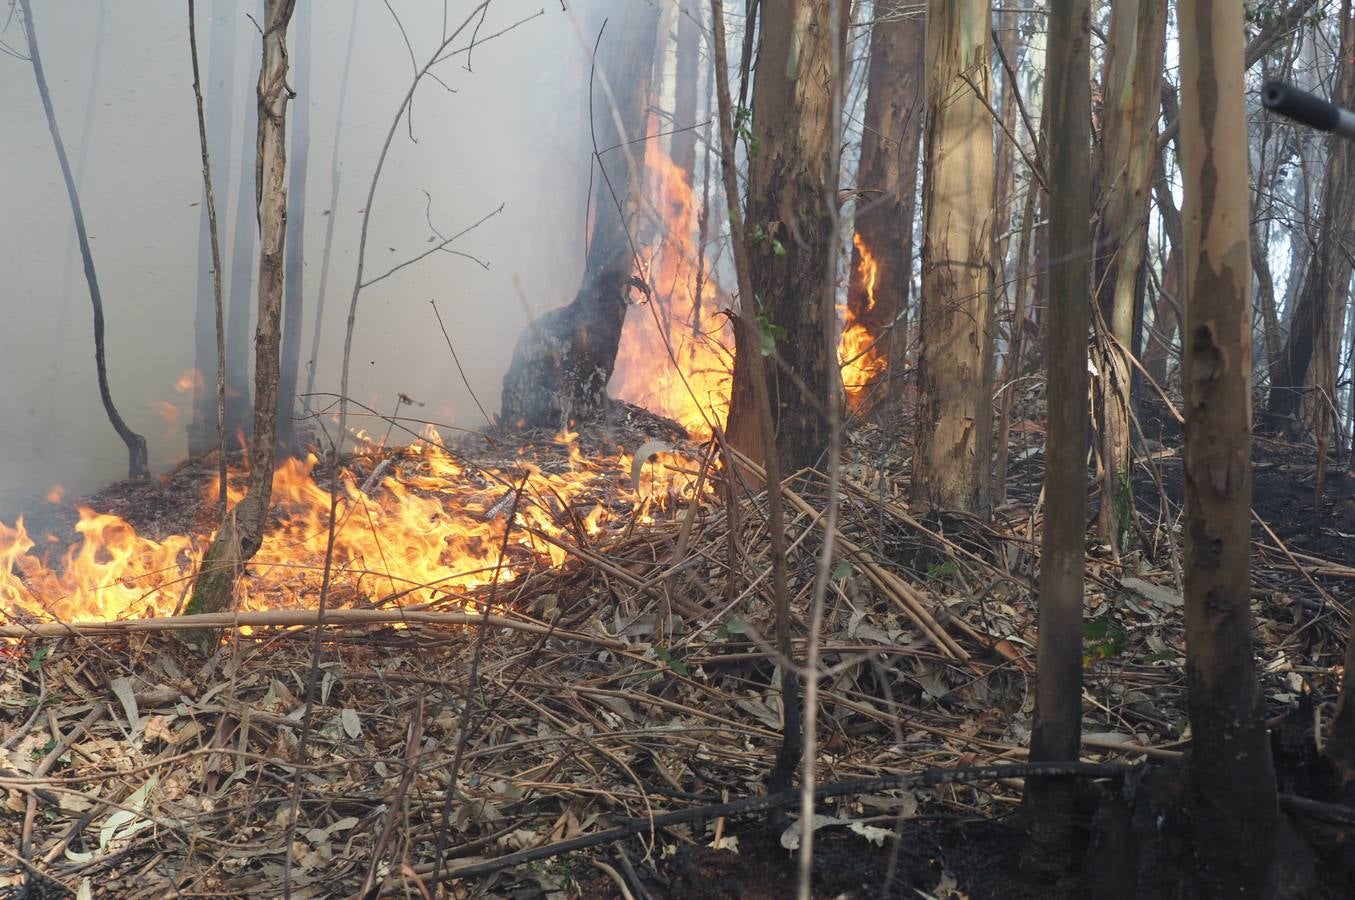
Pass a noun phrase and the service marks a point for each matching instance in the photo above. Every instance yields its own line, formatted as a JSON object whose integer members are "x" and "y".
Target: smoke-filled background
{"x": 506, "y": 127}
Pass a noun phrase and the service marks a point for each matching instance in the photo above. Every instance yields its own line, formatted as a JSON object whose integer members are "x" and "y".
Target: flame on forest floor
{"x": 430, "y": 530}
{"x": 432, "y": 527}
{"x": 857, "y": 352}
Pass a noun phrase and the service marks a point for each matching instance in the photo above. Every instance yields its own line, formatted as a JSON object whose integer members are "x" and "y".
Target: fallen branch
{"x": 292, "y": 618}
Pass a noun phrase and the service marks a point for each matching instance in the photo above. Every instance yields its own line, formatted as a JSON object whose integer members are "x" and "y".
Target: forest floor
{"x": 138, "y": 769}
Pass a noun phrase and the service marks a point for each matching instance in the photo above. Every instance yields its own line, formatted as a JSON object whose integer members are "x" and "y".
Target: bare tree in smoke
{"x": 564, "y": 359}
{"x": 138, "y": 461}
{"x": 293, "y": 282}
{"x": 241, "y": 534}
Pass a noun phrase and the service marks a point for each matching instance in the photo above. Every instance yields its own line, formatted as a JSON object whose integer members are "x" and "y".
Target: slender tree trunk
{"x": 788, "y": 756}
{"x": 1016, "y": 343}
{"x": 294, "y": 302}
{"x": 789, "y": 228}
{"x": 887, "y": 182}
{"x": 1235, "y": 809}
{"x": 138, "y": 458}
{"x": 953, "y": 458}
{"x": 242, "y": 275}
{"x": 203, "y": 425}
{"x": 241, "y": 534}
{"x": 1133, "y": 88}
{"x": 218, "y": 325}
{"x": 335, "y": 178}
{"x": 687, "y": 78}
{"x": 1165, "y": 317}
{"x": 1056, "y": 735}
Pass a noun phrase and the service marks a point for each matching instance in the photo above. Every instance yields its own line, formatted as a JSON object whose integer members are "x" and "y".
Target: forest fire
{"x": 428, "y": 530}
{"x": 676, "y": 353}
{"x": 857, "y": 352}
{"x": 431, "y": 528}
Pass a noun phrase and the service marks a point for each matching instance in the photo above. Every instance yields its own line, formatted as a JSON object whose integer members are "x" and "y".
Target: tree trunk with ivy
{"x": 788, "y": 225}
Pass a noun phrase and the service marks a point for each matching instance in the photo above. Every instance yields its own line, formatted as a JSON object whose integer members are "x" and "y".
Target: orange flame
{"x": 429, "y": 530}
{"x": 676, "y": 351}
{"x": 858, "y": 353}
{"x": 190, "y": 380}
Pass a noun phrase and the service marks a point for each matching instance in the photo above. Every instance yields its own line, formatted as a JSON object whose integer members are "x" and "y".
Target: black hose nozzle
{"x": 1307, "y": 109}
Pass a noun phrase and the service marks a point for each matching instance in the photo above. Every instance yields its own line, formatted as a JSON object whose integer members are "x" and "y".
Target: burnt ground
{"x": 570, "y": 739}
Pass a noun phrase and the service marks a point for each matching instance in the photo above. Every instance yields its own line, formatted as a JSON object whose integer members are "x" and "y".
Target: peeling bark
{"x": 952, "y": 461}
{"x": 1235, "y": 808}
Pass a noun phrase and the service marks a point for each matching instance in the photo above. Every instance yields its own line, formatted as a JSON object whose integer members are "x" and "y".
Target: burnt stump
{"x": 564, "y": 359}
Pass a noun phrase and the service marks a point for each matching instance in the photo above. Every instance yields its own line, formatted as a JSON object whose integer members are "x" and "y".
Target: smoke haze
{"x": 514, "y": 134}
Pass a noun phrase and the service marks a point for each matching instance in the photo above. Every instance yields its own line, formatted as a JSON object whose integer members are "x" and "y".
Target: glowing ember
{"x": 857, "y": 352}
{"x": 190, "y": 380}
{"x": 429, "y": 530}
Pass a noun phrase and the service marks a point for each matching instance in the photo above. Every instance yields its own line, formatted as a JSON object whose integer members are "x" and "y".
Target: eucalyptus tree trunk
{"x": 1235, "y": 808}
{"x": 241, "y": 534}
{"x": 1057, "y": 730}
{"x": 1133, "y": 86}
{"x": 887, "y": 181}
{"x": 789, "y": 226}
{"x": 952, "y": 459}
{"x": 138, "y": 459}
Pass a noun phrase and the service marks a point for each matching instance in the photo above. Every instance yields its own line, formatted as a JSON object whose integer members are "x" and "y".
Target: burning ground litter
{"x": 628, "y": 681}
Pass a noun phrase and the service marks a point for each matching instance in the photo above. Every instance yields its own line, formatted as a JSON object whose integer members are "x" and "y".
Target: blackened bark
{"x": 788, "y": 227}
{"x": 563, "y": 360}
{"x": 887, "y": 181}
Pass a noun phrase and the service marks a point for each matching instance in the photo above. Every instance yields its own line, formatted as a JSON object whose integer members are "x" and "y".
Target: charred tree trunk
{"x": 952, "y": 461}
{"x": 1056, "y": 735}
{"x": 1235, "y": 809}
{"x": 241, "y": 534}
{"x": 789, "y": 227}
{"x": 1329, "y": 269}
{"x": 887, "y": 181}
{"x": 686, "y": 77}
{"x": 138, "y": 459}
{"x": 1133, "y": 87}
{"x": 564, "y": 359}
{"x": 294, "y": 302}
